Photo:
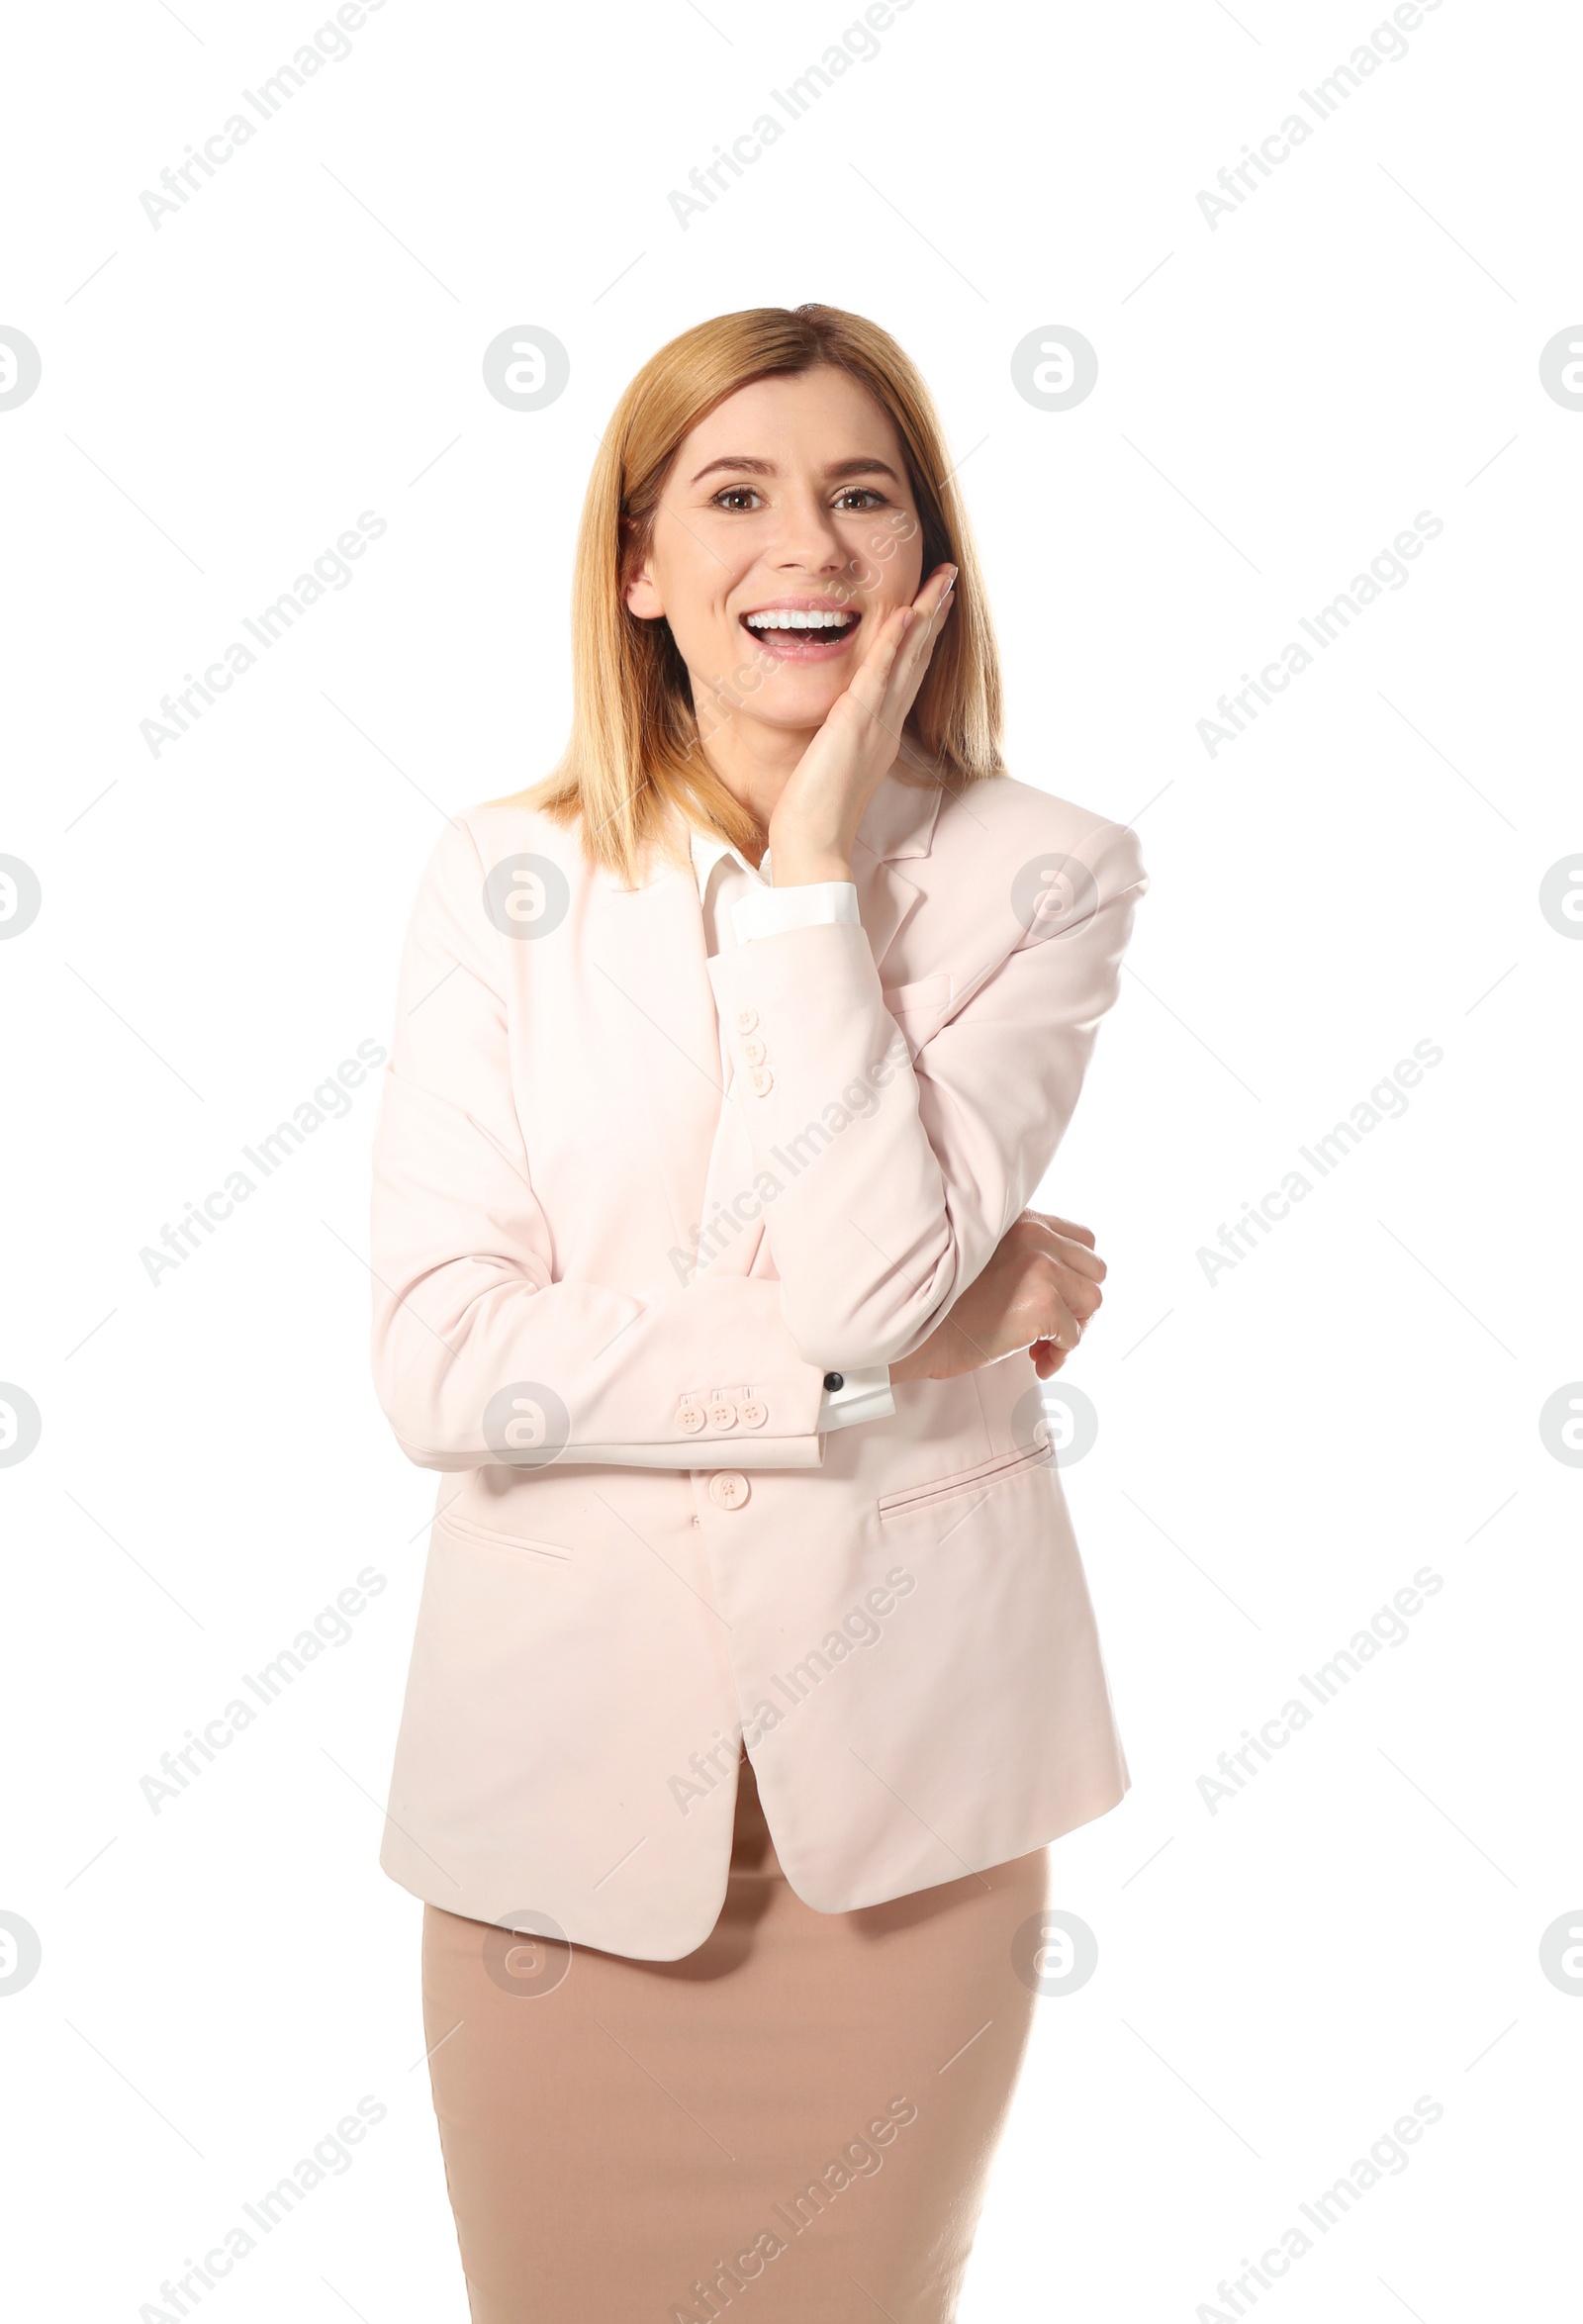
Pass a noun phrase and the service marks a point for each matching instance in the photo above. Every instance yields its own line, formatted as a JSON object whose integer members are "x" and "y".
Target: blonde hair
{"x": 634, "y": 751}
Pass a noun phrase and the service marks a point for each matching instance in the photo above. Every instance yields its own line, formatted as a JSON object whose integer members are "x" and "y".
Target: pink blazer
{"x": 645, "y": 1553}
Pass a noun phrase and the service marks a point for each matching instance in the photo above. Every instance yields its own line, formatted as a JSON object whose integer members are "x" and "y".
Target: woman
{"x": 755, "y": 1666}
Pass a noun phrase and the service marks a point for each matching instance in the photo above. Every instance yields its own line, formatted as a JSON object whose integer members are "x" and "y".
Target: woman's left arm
{"x": 899, "y": 1176}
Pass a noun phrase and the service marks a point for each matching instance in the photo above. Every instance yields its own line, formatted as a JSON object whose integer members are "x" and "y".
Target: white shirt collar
{"x": 708, "y": 852}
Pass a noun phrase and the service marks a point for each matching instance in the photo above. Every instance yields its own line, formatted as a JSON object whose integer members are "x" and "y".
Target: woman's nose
{"x": 808, "y": 538}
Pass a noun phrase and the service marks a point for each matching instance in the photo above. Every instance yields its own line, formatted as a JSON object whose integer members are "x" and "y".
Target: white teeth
{"x": 790, "y": 620}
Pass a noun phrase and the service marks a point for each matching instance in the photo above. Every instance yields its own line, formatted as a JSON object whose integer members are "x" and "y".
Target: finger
{"x": 1067, "y": 1226}
{"x": 1078, "y": 1258}
{"x": 930, "y": 608}
{"x": 933, "y": 600}
{"x": 1080, "y": 1293}
{"x": 870, "y": 683}
{"x": 1048, "y": 1358}
{"x": 1082, "y": 1297}
{"x": 932, "y": 596}
{"x": 891, "y": 671}
{"x": 925, "y": 608}
{"x": 1055, "y": 1320}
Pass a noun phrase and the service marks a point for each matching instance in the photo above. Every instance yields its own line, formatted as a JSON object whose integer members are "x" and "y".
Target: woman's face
{"x": 790, "y": 499}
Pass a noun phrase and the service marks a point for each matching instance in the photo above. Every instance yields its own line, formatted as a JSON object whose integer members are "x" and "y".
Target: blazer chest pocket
{"x": 917, "y": 1008}
{"x": 484, "y": 1537}
{"x": 913, "y": 1498}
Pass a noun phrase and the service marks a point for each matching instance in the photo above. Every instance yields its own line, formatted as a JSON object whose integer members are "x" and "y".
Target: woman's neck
{"x": 755, "y": 761}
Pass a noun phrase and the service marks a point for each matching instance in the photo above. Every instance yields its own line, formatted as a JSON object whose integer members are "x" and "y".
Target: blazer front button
{"x": 727, "y": 1489}
{"x": 753, "y": 1414}
{"x": 763, "y": 1080}
{"x": 746, "y": 1019}
{"x": 722, "y": 1415}
{"x": 690, "y": 1417}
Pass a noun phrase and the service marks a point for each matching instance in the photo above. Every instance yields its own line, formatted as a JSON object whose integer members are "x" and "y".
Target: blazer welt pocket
{"x": 965, "y": 1480}
{"x": 929, "y": 992}
{"x": 466, "y": 1530}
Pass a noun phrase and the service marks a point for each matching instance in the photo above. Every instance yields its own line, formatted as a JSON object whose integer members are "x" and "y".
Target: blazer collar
{"x": 897, "y": 826}
{"x": 900, "y": 820}
{"x": 897, "y": 822}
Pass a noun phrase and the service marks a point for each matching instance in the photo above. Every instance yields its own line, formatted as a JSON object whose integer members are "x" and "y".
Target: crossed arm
{"x": 909, "y": 1245}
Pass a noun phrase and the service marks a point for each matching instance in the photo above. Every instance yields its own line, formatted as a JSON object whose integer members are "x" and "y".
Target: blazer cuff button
{"x": 690, "y": 1417}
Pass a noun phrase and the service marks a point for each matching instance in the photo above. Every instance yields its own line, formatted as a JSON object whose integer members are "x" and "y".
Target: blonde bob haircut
{"x": 635, "y": 752}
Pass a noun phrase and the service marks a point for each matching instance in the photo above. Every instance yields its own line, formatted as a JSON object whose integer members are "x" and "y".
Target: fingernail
{"x": 951, "y": 583}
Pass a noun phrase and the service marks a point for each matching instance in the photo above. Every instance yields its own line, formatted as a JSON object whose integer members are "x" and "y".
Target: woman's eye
{"x": 860, "y": 495}
{"x": 735, "y": 495}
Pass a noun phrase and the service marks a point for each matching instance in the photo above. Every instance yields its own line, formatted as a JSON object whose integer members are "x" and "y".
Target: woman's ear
{"x": 642, "y": 598}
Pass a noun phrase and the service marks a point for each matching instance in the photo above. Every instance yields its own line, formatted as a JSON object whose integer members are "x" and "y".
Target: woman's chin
{"x": 793, "y": 698}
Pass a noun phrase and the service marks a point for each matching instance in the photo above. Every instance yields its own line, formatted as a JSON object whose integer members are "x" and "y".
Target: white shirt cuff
{"x": 769, "y": 911}
{"x": 862, "y": 1396}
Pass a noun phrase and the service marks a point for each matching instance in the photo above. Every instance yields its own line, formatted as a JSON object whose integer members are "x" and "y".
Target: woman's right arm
{"x": 480, "y": 1358}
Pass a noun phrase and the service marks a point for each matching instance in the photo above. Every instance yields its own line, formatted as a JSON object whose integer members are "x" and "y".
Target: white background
{"x": 1278, "y": 396}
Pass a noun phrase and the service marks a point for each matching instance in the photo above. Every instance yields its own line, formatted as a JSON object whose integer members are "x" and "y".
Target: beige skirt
{"x": 794, "y": 2122}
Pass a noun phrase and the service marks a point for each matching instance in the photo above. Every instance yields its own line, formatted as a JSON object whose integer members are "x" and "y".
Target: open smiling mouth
{"x": 797, "y": 633}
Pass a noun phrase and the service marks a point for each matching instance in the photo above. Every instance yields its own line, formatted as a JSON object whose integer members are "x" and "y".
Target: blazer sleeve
{"x": 899, "y": 1174}
{"x": 480, "y": 1358}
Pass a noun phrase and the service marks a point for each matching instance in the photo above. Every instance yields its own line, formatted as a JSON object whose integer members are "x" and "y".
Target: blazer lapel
{"x": 898, "y": 823}
{"x": 885, "y": 900}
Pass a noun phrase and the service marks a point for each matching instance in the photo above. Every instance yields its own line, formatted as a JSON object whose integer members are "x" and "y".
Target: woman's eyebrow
{"x": 744, "y": 461}
{"x": 737, "y": 460}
